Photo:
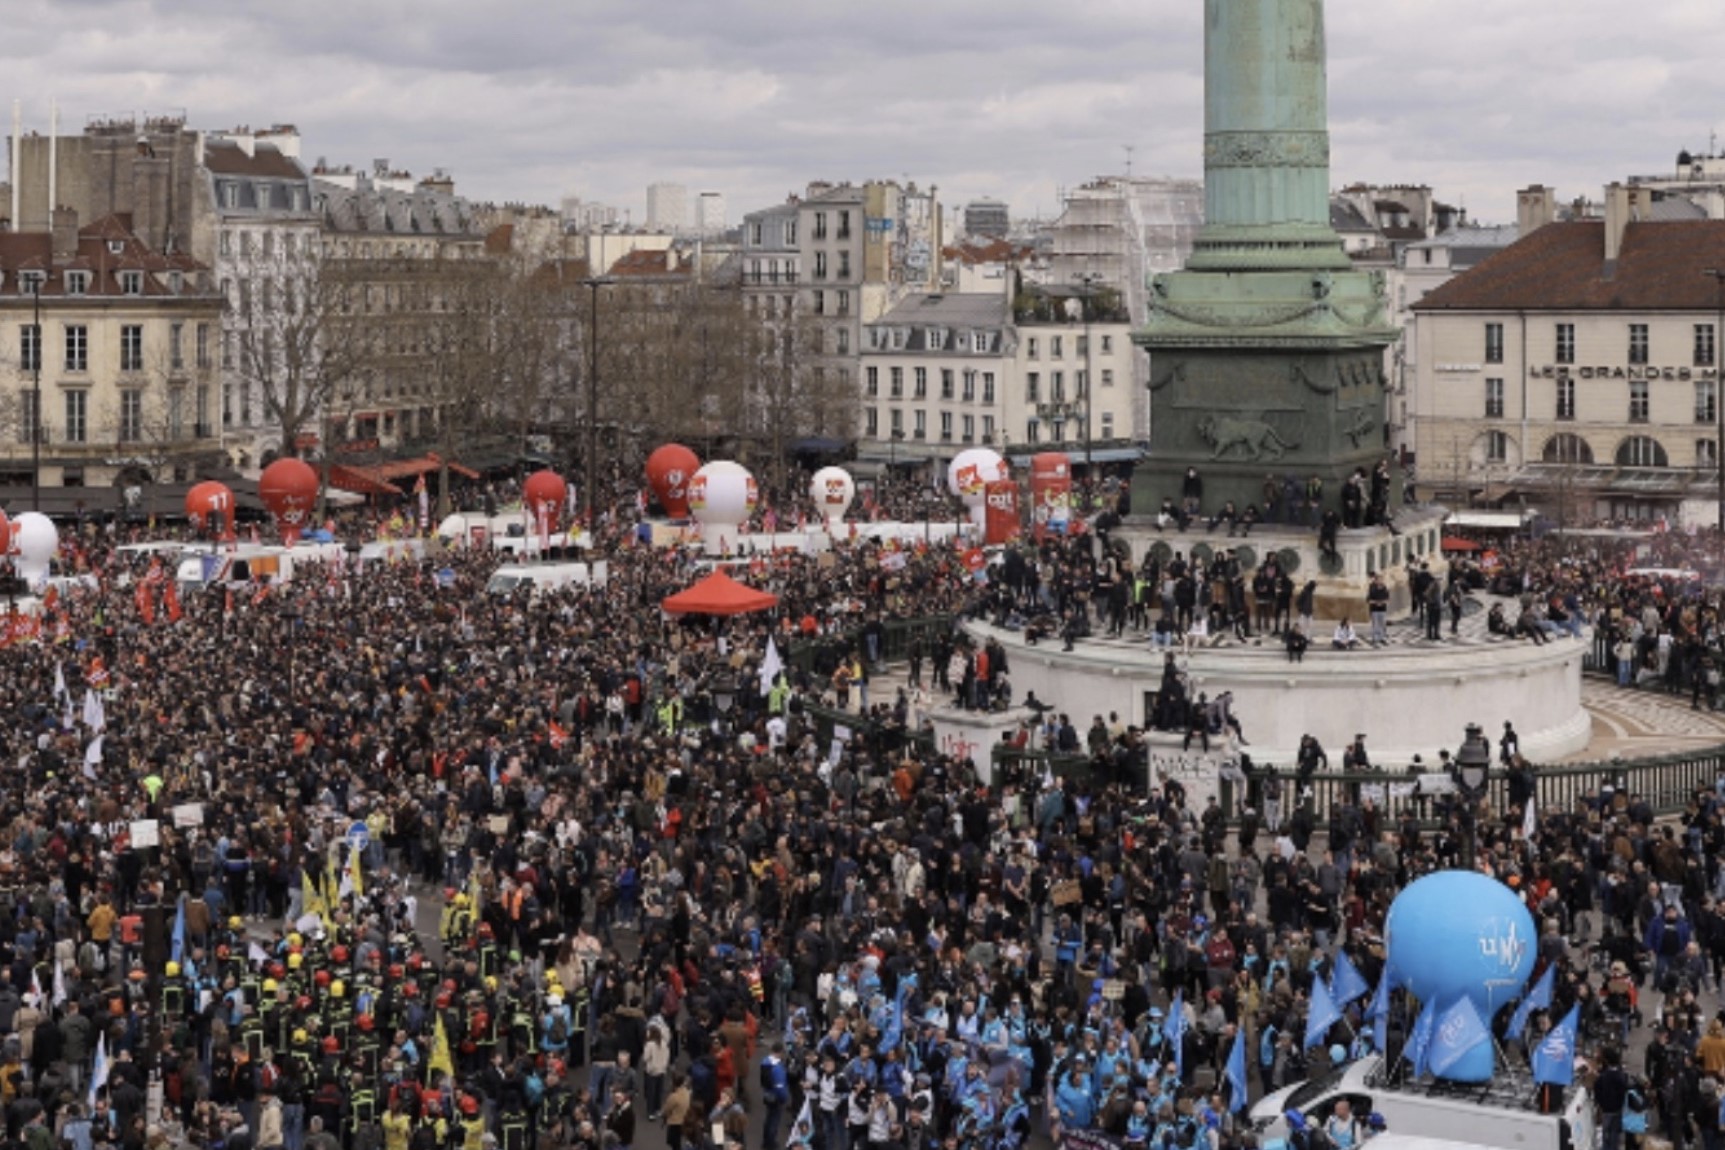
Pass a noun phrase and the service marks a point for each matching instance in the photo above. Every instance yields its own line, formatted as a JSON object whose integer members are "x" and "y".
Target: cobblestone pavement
{"x": 1634, "y": 722}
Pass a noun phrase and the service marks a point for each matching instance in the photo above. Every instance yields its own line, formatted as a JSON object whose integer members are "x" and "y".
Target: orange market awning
{"x": 408, "y": 468}
{"x": 360, "y": 481}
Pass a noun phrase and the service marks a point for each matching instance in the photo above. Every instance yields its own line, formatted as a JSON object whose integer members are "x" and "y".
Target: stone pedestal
{"x": 1342, "y": 581}
{"x": 974, "y": 734}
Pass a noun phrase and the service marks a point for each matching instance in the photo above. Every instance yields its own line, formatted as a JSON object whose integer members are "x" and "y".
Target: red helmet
{"x": 374, "y": 958}
{"x": 222, "y": 951}
{"x": 410, "y": 990}
{"x": 415, "y": 961}
{"x": 449, "y": 894}
{"x": 332, "y": 1045}
{"x": 321, "y": 978}
{"x": 444, "y": 1000}
{"x": 277, "y": 970}
{"x": 338, "y": 953}
{"x": 365, "y": 1022}
{"x": 397, "y": 971}
{"x": 485, "y": 930}
{"x": 449, "y": 985}
{"x": 303, "y": 1003}
{"x": 469, "y": 1105}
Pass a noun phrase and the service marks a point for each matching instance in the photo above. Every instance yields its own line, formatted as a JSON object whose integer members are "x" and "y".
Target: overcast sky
{"x": 1016, "y": 99}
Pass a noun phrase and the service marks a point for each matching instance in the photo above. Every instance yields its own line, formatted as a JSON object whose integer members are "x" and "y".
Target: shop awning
{"x": 360, "y": 481}
{"x": 410, "y": 468}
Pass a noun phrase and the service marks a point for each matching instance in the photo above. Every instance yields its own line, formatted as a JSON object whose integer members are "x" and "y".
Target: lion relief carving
{"x": 1254, "y": 438}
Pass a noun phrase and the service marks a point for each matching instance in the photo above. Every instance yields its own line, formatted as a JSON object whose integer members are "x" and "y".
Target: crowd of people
{"x": 372, "y": 859}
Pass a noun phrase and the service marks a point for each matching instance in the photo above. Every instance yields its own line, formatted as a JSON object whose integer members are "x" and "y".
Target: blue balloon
{"x": 1460, "y": 934}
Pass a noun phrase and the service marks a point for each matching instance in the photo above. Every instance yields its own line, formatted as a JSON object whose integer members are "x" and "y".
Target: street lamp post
{"x": 1472, "y": 768}
{"x": 593, "y": 284}
{"x": 36, "y": 396}
{"x": 1087, "y": 281}
{"x": 1718, "y": 275}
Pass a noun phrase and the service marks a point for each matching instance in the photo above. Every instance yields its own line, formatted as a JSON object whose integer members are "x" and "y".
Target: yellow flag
{"x": 310, "y": 897}
{"x": 354, "y": 875}
{"x": 475, "y": 894}
{"x": 440, "y": 1059}
{"x": 331, "y": 885}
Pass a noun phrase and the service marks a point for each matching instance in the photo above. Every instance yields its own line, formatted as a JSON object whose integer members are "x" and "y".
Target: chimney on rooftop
{"x": 1535, "y": 206}
{"x": 65, "y": 234}
{"x": 1624, "y": 205}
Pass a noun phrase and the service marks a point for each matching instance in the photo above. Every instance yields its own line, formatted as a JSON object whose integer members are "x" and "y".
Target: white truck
{"x": 1498, "y": 1114}
{"x": 546, "y": 577}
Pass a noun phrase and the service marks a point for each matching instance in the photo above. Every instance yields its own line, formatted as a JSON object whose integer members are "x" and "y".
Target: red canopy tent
{"x": 719, "y": 594}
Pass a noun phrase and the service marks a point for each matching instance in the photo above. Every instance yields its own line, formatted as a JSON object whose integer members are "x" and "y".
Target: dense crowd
{"x": 434, "y": 868}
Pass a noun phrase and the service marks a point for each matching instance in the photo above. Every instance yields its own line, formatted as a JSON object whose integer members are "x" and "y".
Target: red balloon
{"x": 288, "y": 488}
{"x": 545, "y": 494}
{"x": 211, "y": 504}
{"x": 669, "y": 470}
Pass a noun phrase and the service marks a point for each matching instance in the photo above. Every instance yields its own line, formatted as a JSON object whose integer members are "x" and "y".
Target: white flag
{"x": 68, "y": 716}
{"x": 1529, "y": 820}
{"x": 99, "y": 1073}
{"x": 256, "y": 953}
{"x": 59, "y": 984}
{"x": 771, "y": 665}
{"x": 93, "y": 756}
{"x": 95, "y": 715}
{"x": 60, "y": 691}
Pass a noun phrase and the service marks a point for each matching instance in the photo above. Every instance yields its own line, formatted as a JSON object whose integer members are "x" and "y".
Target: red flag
{"x": 171, "y": 597}
{"x": 559, "y": 736}
{"x": 146, "y": 605}
{"x": 25, "y": 628}
{"x": 98, "y": 675}
{"x": 51, "y": 598}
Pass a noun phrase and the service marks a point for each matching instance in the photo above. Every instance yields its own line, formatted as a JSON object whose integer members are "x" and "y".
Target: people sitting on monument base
{"x": 1345, "y": 638}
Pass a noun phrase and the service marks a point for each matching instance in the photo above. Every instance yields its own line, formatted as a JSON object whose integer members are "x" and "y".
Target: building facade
{"x": 122, "y": 341}
{"x": 667, "y": 207}
{"x": 401, "y": 251}
{"x": 1578, "y": 370}
{"x": 260, "y": 200}
{"x": 940, "y": 373}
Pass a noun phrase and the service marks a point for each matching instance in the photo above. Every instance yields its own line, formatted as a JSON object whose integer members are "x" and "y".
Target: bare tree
{"x": 301, "y": 334}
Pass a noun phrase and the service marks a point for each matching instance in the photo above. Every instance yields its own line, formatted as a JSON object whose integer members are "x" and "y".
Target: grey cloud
{"x": 527, "y": 99}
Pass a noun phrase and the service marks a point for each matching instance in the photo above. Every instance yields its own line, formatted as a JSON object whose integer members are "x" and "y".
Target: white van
{"x": 543, "y": 577}
{"x": 1499, "y": 1114}
{"x": 387, "y": 551}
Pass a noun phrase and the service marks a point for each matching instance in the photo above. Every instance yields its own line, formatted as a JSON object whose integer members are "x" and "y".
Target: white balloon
{"x": 832, "y": 489}
{"x": 974, "y": 469}
{"x": 722, "y": 494}
{"x": 453, "y": 527}
{"x": 35, "y": 540}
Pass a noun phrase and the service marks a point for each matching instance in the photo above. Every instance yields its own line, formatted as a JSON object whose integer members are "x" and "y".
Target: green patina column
{"x": 1267, "y": 349}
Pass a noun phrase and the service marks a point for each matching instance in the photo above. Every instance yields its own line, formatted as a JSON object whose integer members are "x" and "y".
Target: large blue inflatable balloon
{"x": 1461, "y": 934}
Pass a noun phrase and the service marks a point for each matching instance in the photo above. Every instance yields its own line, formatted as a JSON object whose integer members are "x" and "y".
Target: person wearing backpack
{"x": 554, "y": 1026}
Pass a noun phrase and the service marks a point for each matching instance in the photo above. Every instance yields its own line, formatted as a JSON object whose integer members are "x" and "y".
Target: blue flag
{"x": 889, "y": 1038}
{"x": 1378, "y": 1012}
{"x": 1539, "y": 998}
{"x": 1420, "y": 1041}
{"x": 1554, "y": 1057}
{"x": 1236, "y": 1072}
{"x": 1458, "y": 1031}
{"x": 178, "y": 952}
{"x": 1321, "y": 1015}
{"x": 1176, "y": 1033}
{"x": 1346, "y": 982}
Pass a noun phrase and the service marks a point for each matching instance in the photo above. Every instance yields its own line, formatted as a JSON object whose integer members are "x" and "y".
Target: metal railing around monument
{"x": 1667, "y": 783}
